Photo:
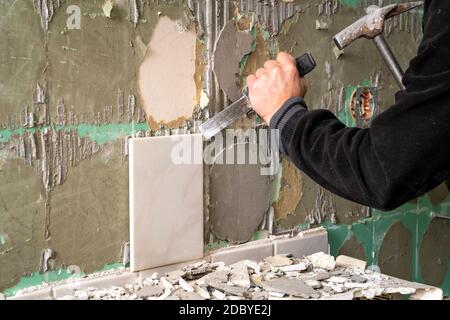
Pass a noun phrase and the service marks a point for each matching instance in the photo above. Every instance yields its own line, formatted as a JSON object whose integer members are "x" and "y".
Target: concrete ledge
{"x": 305, "y": 243}
{"x": 41, "y": 294}
{"x": 104, "y": 281}
{"x": 255, "y": 250}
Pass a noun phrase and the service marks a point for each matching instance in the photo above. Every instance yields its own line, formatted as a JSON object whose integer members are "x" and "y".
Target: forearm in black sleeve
{"x": 404, "y": 153}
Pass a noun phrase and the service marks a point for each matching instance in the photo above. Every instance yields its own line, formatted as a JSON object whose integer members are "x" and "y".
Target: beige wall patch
{"x": 166, "y": 76}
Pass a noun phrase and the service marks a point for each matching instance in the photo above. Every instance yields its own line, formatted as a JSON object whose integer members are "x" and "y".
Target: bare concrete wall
{"x": 70, "y": 96}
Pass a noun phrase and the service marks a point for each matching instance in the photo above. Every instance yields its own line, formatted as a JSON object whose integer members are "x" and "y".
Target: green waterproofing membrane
{"x": 100, "y": 134}
{"x": 370, "y": 232}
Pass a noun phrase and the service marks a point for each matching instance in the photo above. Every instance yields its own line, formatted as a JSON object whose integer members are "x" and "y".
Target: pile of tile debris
{"x": 317, "y": 276}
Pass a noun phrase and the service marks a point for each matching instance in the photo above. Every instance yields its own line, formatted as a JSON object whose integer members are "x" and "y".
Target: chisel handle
{"x": 305, "y": 64}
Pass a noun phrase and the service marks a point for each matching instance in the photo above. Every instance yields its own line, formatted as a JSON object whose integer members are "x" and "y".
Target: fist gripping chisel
{"x": 305, "y": 64}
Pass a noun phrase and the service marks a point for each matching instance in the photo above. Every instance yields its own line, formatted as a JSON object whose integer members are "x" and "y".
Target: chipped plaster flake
{"x": 107, "y": 8}
{"x": 134, "y": 11}
{"x": 46, "y": 10}
{"x": 166, "y": 76}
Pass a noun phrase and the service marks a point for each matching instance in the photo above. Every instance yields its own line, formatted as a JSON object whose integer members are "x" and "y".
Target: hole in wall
{"x": 363, "y": 105}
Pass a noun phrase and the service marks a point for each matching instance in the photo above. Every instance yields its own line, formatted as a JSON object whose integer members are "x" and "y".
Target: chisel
{"x": 211, "y": 127}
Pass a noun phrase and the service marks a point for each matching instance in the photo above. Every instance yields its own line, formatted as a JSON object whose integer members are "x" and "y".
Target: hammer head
{"x": 371, "y": 24}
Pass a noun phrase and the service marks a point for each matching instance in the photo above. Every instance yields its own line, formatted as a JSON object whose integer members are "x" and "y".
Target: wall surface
{"x": 77, "y": 78}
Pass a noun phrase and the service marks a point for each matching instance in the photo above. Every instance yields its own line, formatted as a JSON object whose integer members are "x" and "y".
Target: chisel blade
{"x": 305, "y": 64}
{"x": 225, "y": 117}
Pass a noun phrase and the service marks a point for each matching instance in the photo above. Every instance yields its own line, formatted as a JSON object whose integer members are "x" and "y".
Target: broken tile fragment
{"x": 81, "y": 295}
{"x": 372, "y": 292}
{"x": 295, "y": 267}
{"x": 218, "y": 295}
{"x": 239, "y": 274}
{"x": 150, "y": 291}
{"x": 292, "y": 287}
{"x": 352, "y": 285}
{"x": 314, "y": 284}
{"x": 318, "y": 276}
{"x": 202, "y": 292}
{"x": 322, "y": 260}
{"x": 276, "y": 294}
{"x": 167, "y": 285}
{"x": 231, "y": 290}
{"x": 253, "y": 265}
{"x": 356, "y": 278}
{"x": 186, "y": 286}
{"x": 183, "y": 295}
{"x": 278, "y": 261}
{"x": 262, "y": 295}
{"x": 220, "y": 276}
{"x": 335, "y": 279}
{"x": 173, "y": 276}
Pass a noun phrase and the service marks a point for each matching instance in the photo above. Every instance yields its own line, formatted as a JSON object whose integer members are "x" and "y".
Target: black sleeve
{"x": 404, "y": 153}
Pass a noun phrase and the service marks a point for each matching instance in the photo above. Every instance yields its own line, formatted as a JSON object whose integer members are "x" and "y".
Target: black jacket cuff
{"x": 294, "y": 107}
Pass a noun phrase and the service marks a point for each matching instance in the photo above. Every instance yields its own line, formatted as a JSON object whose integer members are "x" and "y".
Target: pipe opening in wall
{"x": 363, "y": 105}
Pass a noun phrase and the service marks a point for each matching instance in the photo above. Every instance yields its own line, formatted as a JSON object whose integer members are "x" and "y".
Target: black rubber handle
{"x": 305, "y": 64}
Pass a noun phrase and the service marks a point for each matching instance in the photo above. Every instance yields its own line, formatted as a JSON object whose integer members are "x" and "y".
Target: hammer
{"x": 371, "y": 27}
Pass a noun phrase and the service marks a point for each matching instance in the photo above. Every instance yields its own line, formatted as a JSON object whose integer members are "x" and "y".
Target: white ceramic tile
{"x": 166, "y": 200}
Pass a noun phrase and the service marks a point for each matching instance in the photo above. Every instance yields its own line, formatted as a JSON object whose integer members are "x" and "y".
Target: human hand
{"x": 274, "y": 84}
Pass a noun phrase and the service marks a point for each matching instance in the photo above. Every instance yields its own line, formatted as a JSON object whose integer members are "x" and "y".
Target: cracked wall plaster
{"x": 166, "y": 76}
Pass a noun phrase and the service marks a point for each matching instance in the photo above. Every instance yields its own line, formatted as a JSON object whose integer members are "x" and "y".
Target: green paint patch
{"x": 37, "y": 278}
{"x": 105, "y": 133}
{"x": 350, "y": 3}
{"x": 260, "y": 234}
{"x": 370, "y": 232}
{"x": 98, "y": 133}
{"x": 337, "y": 235}
{"x": 304, "y": 226}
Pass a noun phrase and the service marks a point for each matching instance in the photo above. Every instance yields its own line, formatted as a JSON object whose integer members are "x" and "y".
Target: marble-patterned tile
{"x": 166, "y": 200}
